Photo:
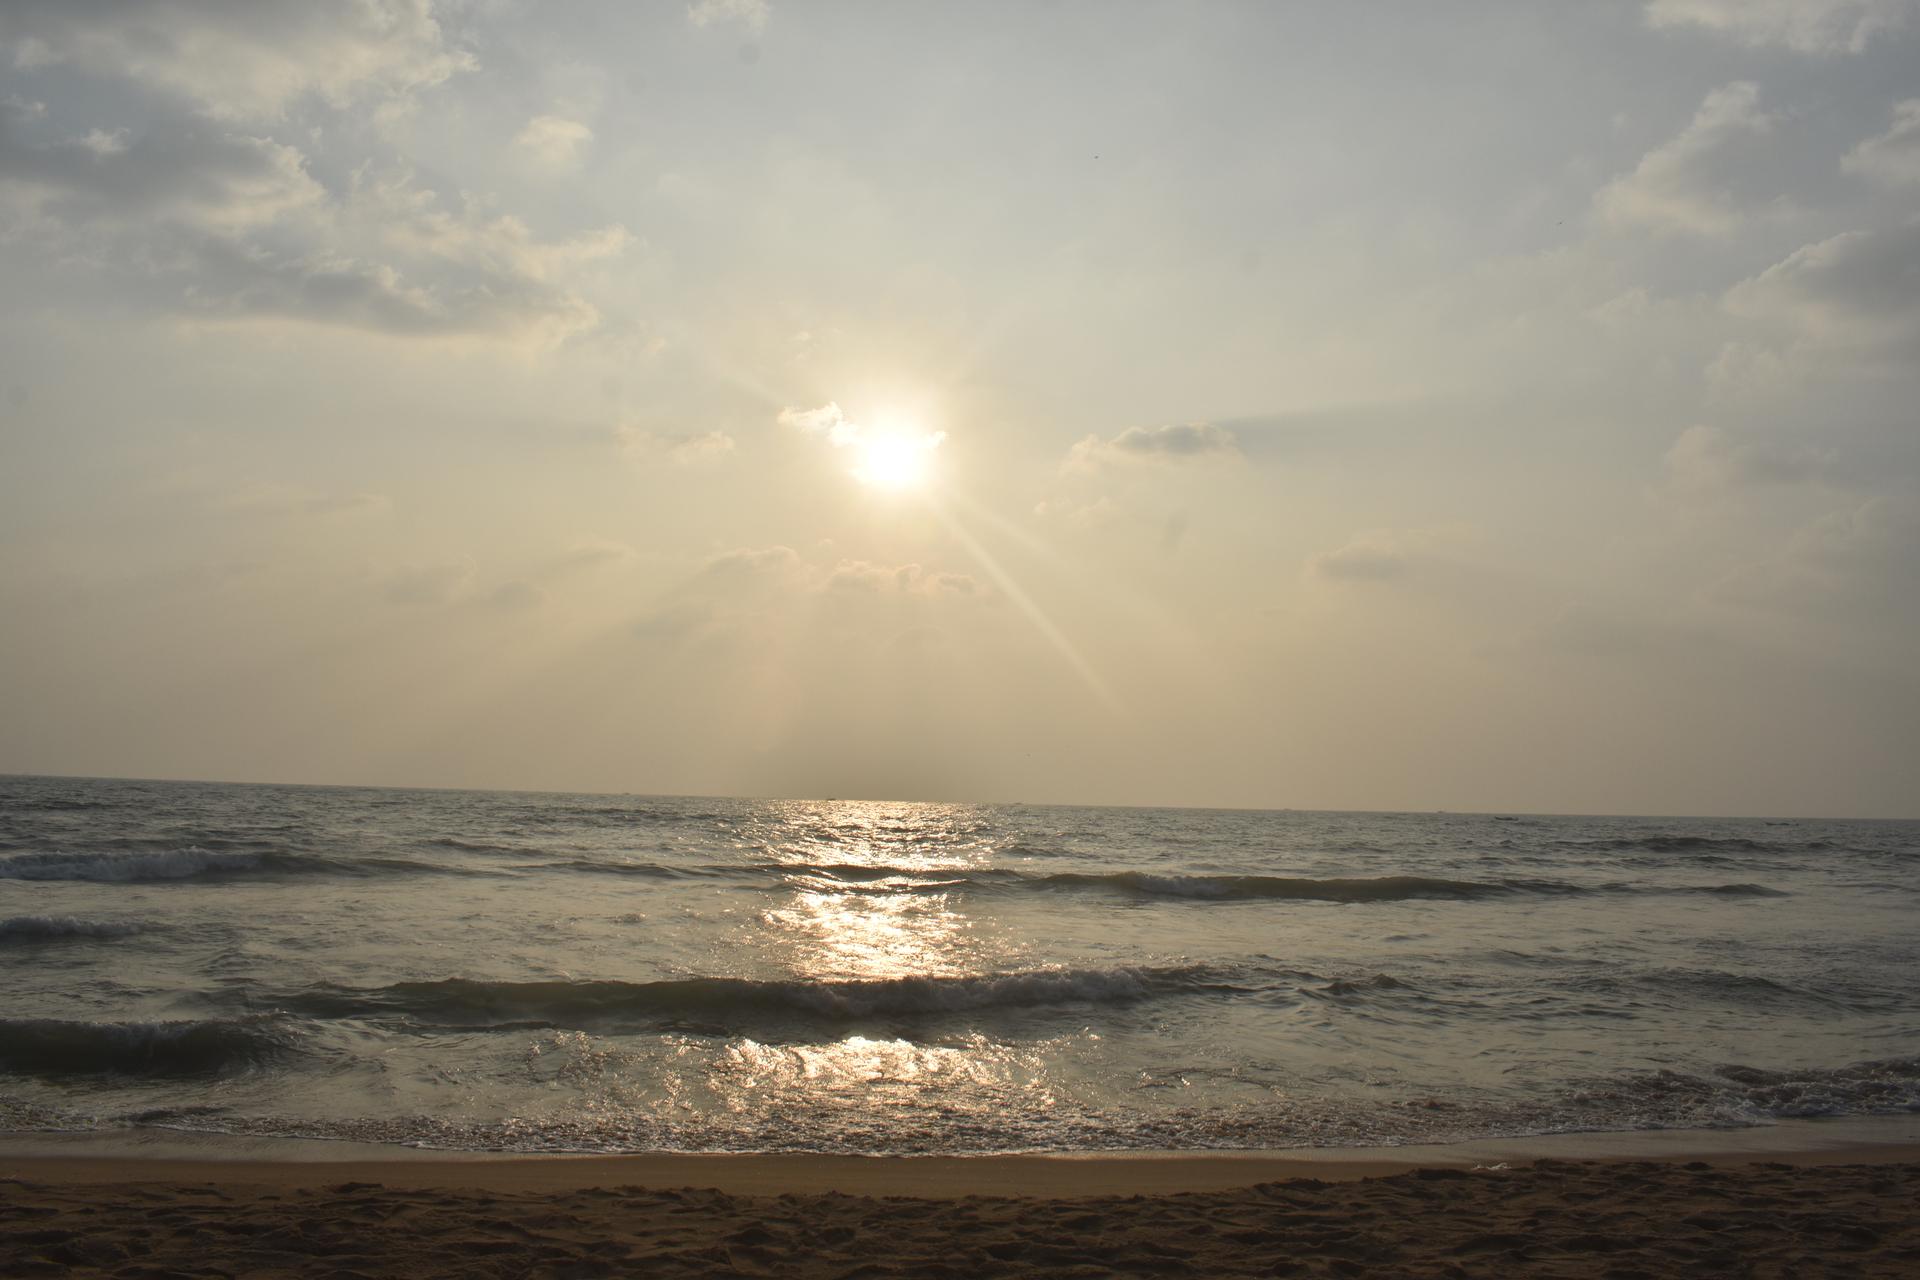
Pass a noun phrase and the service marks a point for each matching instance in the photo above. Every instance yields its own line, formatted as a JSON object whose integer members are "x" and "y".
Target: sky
{"x": 1393, "y": 406}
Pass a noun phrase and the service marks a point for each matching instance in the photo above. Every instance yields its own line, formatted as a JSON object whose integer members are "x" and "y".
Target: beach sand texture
{"x": 1553, "y": 1218}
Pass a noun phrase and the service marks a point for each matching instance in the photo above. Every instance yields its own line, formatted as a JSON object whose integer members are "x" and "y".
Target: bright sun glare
{"x": 897, "y": 461}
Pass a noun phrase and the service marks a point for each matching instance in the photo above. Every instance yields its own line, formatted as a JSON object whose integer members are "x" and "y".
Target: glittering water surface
{"x": 539, "y": 971}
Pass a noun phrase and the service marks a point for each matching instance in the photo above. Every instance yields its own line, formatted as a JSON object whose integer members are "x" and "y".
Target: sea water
{"x": 541, "y": 972}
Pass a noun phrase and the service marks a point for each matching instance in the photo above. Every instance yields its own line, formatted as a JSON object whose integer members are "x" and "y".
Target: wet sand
{"x": 1799, "y": 1201}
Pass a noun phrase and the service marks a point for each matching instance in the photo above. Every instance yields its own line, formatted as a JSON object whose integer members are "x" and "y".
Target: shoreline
{"x": 176, "y": 1157}
{"x": 1815, "y": 1200}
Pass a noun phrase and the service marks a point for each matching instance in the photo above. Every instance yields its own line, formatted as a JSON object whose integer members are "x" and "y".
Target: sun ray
{"x": 1028, "y": 606}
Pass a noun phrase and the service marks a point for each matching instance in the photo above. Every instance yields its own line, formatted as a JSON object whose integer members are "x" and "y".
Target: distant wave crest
{"x": 884, "y": 878}
{"x": 196, "y": 863}
{"x": 468, "y": 1002}
{"x": 1298, "y": 888}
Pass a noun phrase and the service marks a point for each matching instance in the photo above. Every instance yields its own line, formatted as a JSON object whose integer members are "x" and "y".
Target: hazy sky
{"x": 1469, "y": 406}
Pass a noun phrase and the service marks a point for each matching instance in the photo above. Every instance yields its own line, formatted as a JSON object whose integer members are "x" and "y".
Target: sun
{"x": 897, "y": 461}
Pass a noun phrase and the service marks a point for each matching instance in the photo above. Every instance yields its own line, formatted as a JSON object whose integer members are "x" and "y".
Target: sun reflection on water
{"x": 875, "y": 892}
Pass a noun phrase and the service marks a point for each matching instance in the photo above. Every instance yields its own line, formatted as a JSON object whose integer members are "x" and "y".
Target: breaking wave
{"x": 54, "y": 928}
{"x": 1735, "y": 1094}
{"x": 56, "y": 1047}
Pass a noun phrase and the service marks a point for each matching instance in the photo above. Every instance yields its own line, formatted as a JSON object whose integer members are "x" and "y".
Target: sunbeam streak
{"x": 1026, "y": 604}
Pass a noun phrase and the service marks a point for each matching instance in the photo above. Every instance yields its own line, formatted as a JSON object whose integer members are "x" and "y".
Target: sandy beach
{"x": 1796, "y": 1200}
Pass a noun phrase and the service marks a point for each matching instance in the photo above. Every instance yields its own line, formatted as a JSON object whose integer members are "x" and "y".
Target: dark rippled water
{"x": 538, "y": 971}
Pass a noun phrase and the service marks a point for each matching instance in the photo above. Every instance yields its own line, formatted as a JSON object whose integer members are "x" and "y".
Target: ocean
{"x": 545, "y": 972}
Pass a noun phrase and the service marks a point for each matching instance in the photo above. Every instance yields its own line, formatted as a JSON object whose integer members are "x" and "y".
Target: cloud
{"x": 429, "y": 584}
{"x": 516, "y": 596}
{"x": 1086, "y": 515}
{"x": 280, "y": 500}
{"x": 196, "y": 178}
{"x": 1805, "y": 26}
{"x": 231, "y": 227}
{"x": 1177, "y": 442}
{"x": 688, "y": 450}
{"x": 751, "y": 14}
{"x": 1701, "y": 182}
{"x": 224, "y": 282}
{"x": 1377, "y": 555}
{"x": 864, "y": 578}
{"x": 826, "y": 421}
{"x": 250, "y": 59}
{"x": 1707, "y": 459}
{"x": 413, "y": 220}
{"x": 586, "y": 556}
{"x": 1861, "y": 559}
{"x": 756, "y": 568}
{"x": 752, "y": 564}
{"x": 884, "y": 446}
{"x": 1894, "y": 156}
{"x": 554, "y": 141}
{"x": 1859, "y": 290}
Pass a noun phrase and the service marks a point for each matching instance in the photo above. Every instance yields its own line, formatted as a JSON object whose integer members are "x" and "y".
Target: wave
{"x": 652, "y": 870}
{"x": 196, "y": 863}
{"x": 1145, "y": 884}
{"x": 1701, "y": 848}
{"x": 53, "y": 804}
{"x": 1292, "y": 888}
{"x": 1736, "y": 1094}
{"x": 56, "y": 1047}
{"x": 53, "y": 928}
{"x": 475, "y": 846}
{"x": 1745, "y": 890}
{"x": 158, "y": 864}
{"x": 1683, "y": 844}
{"x": 474, "y": 1002}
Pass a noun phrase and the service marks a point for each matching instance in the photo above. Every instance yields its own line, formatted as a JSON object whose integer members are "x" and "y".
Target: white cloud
{"x": 829, "y": 423}
{"x": 752, "y": 563}
{"x": 683, "y": 450}
{"x": 249, "y": 59}
{"x": 1702, "y": 182}
{"x": 1806, "y": 26}
{"x": 413, "y": 220}
{"x": 1376, "y": 555}
{"x": 1175, "y": 442}
{"x": 1894, "y": 156}
{"x": 1861, "y": 560}
{"x": 1707, "y": 459}
{"x": 1859, "y": 290}
{"x": 554, "y": 141}
{"x": 826, "y": 421}
{"x": 861, "y": 577}
{"x": 751, "y": 14}
{"x": 229, "y": 226}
